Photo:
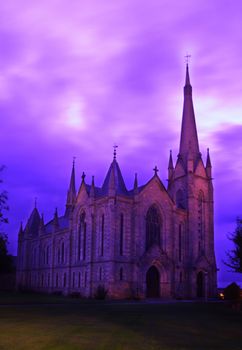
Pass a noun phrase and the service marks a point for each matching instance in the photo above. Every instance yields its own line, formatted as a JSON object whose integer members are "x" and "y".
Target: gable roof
{"x": 33, "y": 223}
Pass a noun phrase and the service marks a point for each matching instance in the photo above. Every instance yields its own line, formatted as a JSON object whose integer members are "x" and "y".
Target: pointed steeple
{"x": 208, "y": 165}
{"x": 42, "y": 224}
{"x": 170, "y": 166}
{"x": 208, "y": 162}
{"x": 189, "y": 139}
{"x": 32, "y": 226}
{"x": 56, "y": 220}
{"x": 114, "y": 182}
{"x": 71, "y": 193}
{"x": 135, "y": 181}
{"x": 92, "y": 190}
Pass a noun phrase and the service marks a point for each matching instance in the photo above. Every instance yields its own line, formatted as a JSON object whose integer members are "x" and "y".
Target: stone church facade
{"x": 150, "y": 241}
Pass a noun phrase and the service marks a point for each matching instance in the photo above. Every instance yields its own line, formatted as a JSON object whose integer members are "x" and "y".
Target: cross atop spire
{"x": 156, "y": 170}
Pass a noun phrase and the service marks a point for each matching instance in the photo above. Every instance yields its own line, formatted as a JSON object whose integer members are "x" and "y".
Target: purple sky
{"x": 78, "y": 76}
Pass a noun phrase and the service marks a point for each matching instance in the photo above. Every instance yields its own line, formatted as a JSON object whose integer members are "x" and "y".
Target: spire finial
{"x": 187, "y": 81}
{"x": 35, "y": 202}
{"x": 73, "y": 161}
{"x": 156, "y": 170}
{"x": 187, "y": 58}
{"x": 135, "y": 180}
{"x": 114, "y": 151}
{"x": 170, "y": 164}
{"x": 83, "y": 176}
{"x": 208, "y": 162}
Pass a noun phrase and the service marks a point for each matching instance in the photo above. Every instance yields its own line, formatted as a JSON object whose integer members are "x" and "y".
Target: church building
{"x": 149, "y": 241}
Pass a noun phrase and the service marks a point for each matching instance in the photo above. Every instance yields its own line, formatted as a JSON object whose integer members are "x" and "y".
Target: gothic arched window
{"x": 121, "y": 238}
{"x": 180, "y": 243}
{"x": 62, "y": 252}
{"x": 82, "y": 238}
{"x": 102, "y": 236}
{"x": 47, "y": 255}
{"x": 153, "y": 227}
{"x": 200, "y": 221}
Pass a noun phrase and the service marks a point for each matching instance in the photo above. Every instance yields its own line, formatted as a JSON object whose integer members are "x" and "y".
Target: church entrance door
{"x": 152, "y": 283}
{"x": 200, "y": 284}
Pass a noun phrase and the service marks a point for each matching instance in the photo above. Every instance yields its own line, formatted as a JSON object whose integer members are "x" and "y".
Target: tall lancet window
{"x": 180, "y": 247}
{"x": 153, "y": 227}
{"x": 200, "y": 222}
{"x": 62, "y": 252}
{"x": 82, "y": 238}
{"x": 121, "y": 237}
{"x": 102, "y": 236}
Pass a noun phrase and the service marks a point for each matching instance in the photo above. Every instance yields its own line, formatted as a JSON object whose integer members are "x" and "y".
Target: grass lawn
{"x": 52, "y": 322}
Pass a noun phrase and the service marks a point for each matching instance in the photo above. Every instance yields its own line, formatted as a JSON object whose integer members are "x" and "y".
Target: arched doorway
{"x": 200, "y": 284}
{"x": 152, "y": 283}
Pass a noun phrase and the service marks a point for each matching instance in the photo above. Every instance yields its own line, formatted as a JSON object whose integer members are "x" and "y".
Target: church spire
{"x": 114, "y": 182}
{"x": 71, "y": 194}
{"x": 170, "y": 166}
{"x": 92, "y": 190}
{"x": 208, "y": 165}
{"x": 56, "y": 220}
{"x": 189, "y": 139}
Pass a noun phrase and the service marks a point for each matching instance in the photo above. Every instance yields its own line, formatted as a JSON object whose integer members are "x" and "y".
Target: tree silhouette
{"x": 235, "y": 254}
{"x": 6, "y": 262}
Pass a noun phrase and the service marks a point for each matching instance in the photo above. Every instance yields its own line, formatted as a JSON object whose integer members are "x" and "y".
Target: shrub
{"x": 101, "y": 293}
{"x": 232, "y": 292}
{"x": 57, "y": 293}
{"x": 75, "y": 295}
